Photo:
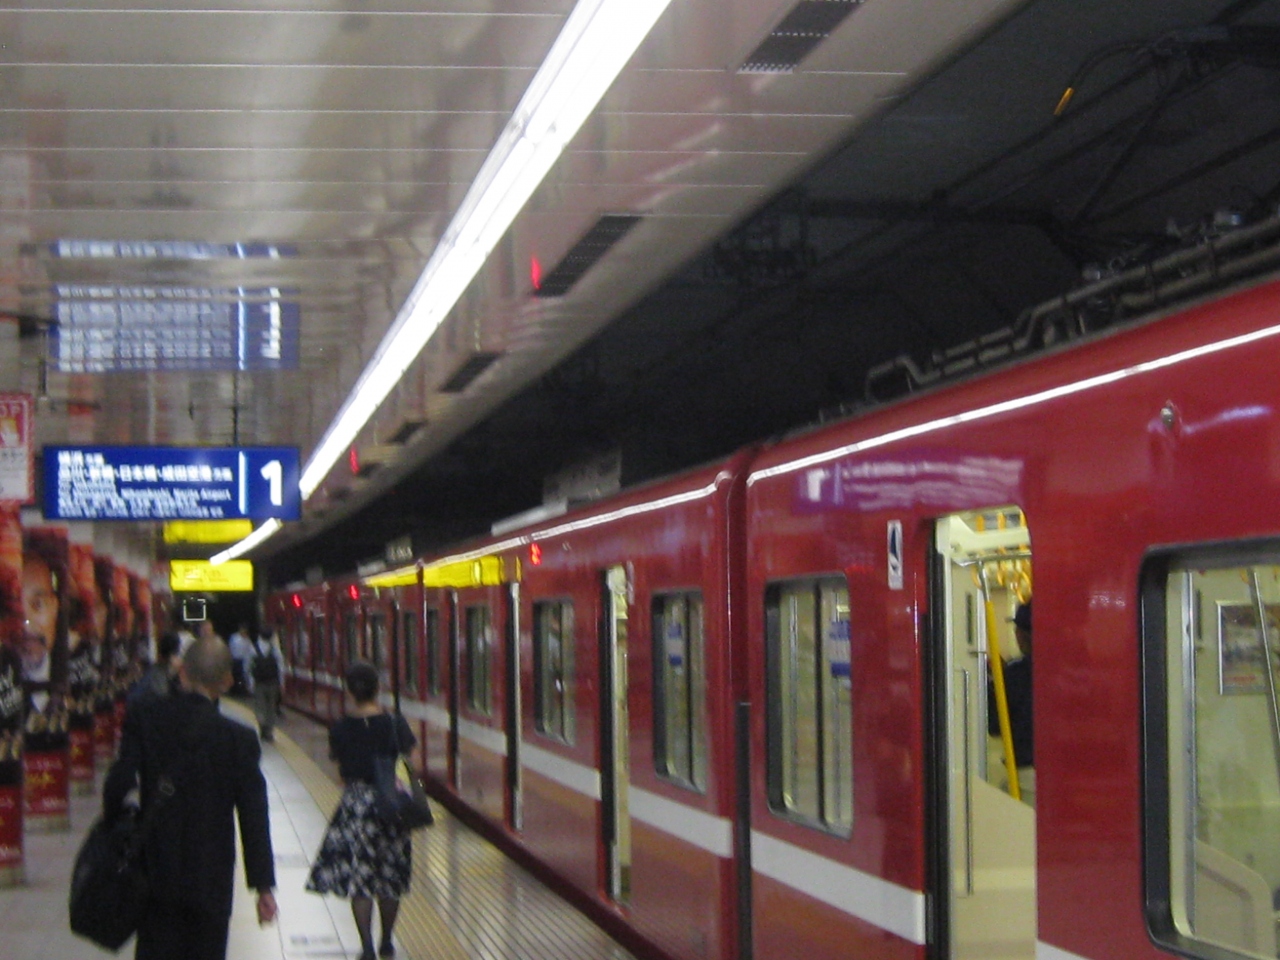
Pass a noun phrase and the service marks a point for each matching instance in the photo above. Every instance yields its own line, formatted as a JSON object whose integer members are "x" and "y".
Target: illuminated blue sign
{"x": 171, "y": 483}
{"x": 110, "y": 329}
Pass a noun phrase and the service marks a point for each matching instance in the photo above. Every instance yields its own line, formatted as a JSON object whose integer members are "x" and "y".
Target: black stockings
{"x": 362, "y": 909}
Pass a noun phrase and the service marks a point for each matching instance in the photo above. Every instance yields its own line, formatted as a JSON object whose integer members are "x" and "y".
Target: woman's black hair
{"x": 362, "y": 681}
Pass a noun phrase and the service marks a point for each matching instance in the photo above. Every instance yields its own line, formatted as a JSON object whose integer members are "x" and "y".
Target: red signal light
{"x": 353, "y": 458}
{"x": 535, "y": 273}
{"x": 353, "y": 592}
{"x": 297, "y": 601}
{"x": 535, "y": 554}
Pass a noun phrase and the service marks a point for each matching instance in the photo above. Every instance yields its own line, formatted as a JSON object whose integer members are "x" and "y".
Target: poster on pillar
{"x": 83, "y": 657}
{"x": 12, "y": 700}
{"x": 17, "y": 454}
{"x": 44, "y": 654}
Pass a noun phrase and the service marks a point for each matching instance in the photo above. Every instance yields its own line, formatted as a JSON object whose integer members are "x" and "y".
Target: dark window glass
{"x": 479, "y": 646}
{"x": 553, "y": 669}
{"x": 434, "y": 652}
{"x": 680, "y": 689}
{"x": 409, "y": 643}
{"x": 810, "y": 709}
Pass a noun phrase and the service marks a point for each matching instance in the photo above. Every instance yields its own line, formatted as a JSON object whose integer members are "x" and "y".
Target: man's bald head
{"x": 207, "y": 666}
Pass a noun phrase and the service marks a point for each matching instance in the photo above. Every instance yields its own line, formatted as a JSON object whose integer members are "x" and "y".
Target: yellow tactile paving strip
{"x": 420, "y": 930}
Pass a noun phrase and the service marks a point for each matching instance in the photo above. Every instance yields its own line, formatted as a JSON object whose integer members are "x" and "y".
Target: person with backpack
{"x": 266, "y": 668}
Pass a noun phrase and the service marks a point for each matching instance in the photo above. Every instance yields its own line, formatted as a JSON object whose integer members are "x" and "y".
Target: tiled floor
{"x": 468, "y": 901}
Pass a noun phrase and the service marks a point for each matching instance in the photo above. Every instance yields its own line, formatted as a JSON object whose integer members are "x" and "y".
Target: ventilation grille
{"x": 475, "y": 365}
{"x": 807, "y": 25}
{"x": 607, "y": 231}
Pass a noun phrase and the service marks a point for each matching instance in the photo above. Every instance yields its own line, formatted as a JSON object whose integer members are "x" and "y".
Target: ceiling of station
{"x": 905, "y": 187}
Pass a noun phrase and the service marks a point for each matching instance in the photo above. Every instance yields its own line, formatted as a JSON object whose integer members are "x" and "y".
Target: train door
{"x": 985, "y": 881}
{"x": 616, "y": 752}
{"x": 515, "y": 810}
{"x": 454, "y": 696}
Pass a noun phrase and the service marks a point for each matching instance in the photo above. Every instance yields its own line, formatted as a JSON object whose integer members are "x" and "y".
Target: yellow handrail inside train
{"x": 1002, "y": 700}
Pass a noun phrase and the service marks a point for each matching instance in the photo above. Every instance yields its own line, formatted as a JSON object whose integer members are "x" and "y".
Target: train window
{"x": 378, "y": 647}
{"x": 352, "y": 637}
{"x": 478, "y": 647}
{"x": 433, "y": 652}
{"x": 679, "y": 689}
{"x": 409, "y": 634}
{"x": 553, "y": 669}
{"x": 326, "y": 641}
{"x": 810, "y": 705}
{"x": 301, "y": 642}
{"x": 1211, "y": 641}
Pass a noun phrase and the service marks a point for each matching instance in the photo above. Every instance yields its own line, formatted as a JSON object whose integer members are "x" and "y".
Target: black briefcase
{"x": 108, "y": 885}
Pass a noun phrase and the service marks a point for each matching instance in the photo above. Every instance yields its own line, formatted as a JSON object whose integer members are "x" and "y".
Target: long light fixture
{"x": 598, "y": 39}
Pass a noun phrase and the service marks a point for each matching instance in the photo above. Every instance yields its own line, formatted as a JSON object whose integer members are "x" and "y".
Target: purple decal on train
{"x": 933, "y": 478}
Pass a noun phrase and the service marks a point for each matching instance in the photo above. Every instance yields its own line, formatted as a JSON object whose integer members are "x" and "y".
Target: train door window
{"x": 352, "y": 637}
{"x": 301, "y": 642}
{"x": 409, "y": 642}
{"x": 679, "y": 689}
{"x": 1211, "y": 624}
{"x": 810, "y": 706}
{"x": 478, "y": 650}
{"x": 328, "y": 643}
{"x": 553, "y": 690}
{"x": 433, "y": 652}
{"x": 378, "y": 652}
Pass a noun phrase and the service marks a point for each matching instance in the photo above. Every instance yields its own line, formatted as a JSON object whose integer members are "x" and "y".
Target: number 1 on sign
{"x": 273, "y": 473}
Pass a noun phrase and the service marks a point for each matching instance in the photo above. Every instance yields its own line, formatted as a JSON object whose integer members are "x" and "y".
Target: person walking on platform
{"x": 266, "y": 669}
{"x": 362, "y": 856}
{"x": 201, "y": 769}
{"x": 161, "y": 678}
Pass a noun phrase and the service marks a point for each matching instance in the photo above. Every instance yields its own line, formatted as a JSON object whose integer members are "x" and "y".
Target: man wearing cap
{"x": 1017, "y": 688}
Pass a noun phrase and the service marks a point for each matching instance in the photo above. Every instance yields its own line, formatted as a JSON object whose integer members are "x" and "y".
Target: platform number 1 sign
{"x": 895, "y": 554}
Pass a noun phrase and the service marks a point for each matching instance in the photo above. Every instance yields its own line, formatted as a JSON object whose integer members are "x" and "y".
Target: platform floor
{"x": 467, "y": 902}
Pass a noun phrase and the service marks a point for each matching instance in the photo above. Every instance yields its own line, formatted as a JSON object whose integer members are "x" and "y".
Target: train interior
{"x": 1224, "y": 734}
{"x": 991, "y": 848}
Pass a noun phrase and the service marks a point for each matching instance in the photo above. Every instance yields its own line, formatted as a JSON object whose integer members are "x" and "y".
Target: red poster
{"x": 10, "y": 836}
{"x": 43, "y": 650}
{"x": 17, "y": 456}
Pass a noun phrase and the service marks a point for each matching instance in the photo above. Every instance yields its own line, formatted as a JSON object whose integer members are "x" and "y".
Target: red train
{"x": 745, "y": 711}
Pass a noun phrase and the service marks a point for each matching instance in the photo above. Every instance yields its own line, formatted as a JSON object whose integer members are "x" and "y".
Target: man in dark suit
{"x": 202, "y": 768}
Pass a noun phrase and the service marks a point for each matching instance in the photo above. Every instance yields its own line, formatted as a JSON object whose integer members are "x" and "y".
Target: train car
{"x": 885, "y": 555}
{"x": 762, "y": 710}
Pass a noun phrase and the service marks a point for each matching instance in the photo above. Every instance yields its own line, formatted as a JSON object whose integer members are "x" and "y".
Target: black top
{"x": 213, "y": 764}
{"x": 354, "y": 740}
{"x": 1017, "y": 689}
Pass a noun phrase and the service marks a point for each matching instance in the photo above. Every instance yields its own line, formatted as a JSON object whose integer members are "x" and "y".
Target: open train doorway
{"x": 985, "y": 775}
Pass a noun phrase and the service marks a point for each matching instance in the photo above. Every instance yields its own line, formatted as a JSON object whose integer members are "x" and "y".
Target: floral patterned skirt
{"x": 361, "y": 856}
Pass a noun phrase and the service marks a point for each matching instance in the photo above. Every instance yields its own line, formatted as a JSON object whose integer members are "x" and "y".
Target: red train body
{"x": 744, "y": 711}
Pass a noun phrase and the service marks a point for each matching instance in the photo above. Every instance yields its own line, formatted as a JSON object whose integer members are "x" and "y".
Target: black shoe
{"x": 367, "y": 955}
{"x": 388, "y": 949}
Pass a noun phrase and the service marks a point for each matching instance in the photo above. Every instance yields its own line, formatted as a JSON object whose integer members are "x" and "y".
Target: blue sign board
{"x": 110, "y": 329}
{"x": 171, "y": 483}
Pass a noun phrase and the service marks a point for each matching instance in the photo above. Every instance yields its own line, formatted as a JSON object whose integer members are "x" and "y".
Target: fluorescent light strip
{"x": 248, "y": 543}
{"x": 1018, "y": 403}
{"x": 598, "y": 39}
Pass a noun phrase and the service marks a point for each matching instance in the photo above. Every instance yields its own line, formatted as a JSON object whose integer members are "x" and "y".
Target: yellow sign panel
{"x": 200, "y": 576}
{"x": 206, "y": 531}
{"x": 481, "y": 572}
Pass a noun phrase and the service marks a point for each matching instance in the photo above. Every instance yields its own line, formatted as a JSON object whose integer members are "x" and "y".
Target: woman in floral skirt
{"x": 363, "y": 856}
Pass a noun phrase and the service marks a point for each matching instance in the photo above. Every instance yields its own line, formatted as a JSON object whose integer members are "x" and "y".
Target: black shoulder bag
{"x": 402, "y": 799}
{"x": 108, "y": 882}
